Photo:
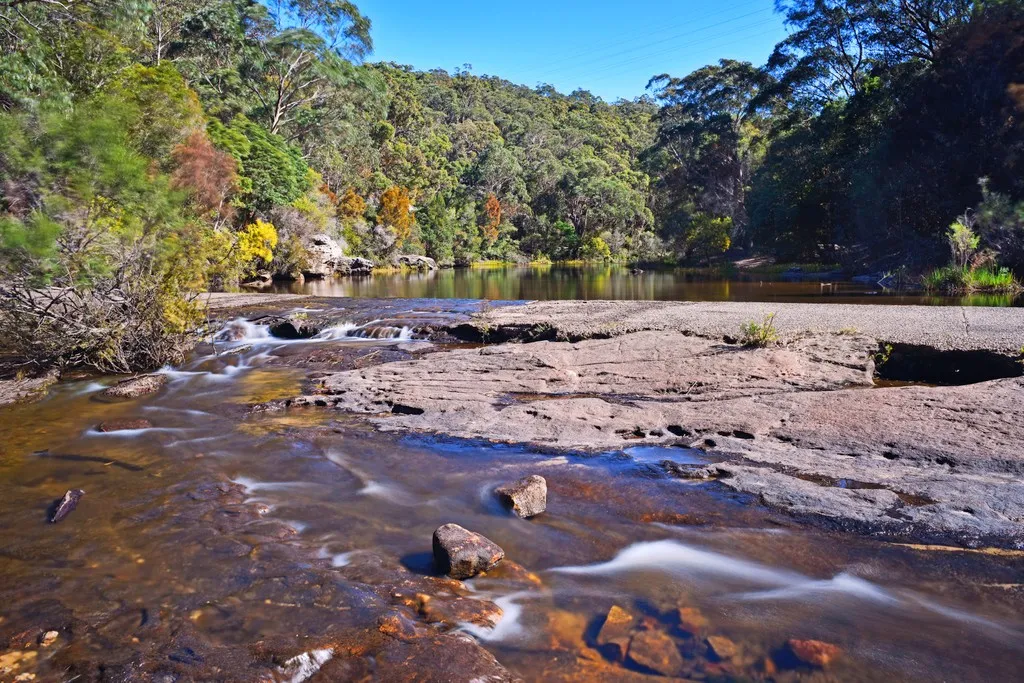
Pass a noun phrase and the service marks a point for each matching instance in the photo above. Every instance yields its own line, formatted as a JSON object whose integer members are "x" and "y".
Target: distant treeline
{"x": 215, "y": 137}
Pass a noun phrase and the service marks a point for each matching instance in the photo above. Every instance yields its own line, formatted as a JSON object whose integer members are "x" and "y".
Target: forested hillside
{"x": 184, "y": 144}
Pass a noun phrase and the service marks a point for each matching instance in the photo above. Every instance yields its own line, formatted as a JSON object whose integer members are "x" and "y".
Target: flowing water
{"x": 221, "y": 544}
{"x": 618, "y": 282}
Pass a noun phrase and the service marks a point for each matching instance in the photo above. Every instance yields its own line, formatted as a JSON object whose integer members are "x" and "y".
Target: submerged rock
{"x": 692, "y": 620}
{"x": 656, "y": 651}
{"x": 814, "y": 652}
{"x": 462, "y": 554}
{"x": 527, "y": 497}
{"x": 722, "y": 648}
{"x": 123, "y": 425}
{"x": 616, "y": 632}
{"x": 133, "y": 387}
{"x": 66, "y": 505}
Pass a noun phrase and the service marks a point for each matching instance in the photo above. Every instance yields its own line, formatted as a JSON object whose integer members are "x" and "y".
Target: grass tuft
{"x": 759, "y": 334}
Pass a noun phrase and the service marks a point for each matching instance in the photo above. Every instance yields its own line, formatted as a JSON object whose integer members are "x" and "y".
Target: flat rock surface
{"x": 941, "y": 327}
{"x": 797, "y": 424}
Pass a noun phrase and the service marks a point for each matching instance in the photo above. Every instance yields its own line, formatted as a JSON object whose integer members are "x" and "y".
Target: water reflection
{"x": 617, "y": 282}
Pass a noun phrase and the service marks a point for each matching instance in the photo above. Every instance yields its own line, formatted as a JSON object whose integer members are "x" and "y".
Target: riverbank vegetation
{"x": 180, "y": 145}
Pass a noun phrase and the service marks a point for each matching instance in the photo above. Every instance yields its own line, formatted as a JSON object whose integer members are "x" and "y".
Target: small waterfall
{"x": 370, "y": 330}
{"x": 242, "y": 331}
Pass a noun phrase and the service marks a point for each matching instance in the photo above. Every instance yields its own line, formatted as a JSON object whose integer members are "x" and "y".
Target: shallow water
{"x": 617, "y": 282}
{"x": 217, "y": 536}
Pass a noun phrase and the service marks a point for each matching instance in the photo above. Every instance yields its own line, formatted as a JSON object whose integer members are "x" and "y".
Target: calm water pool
{"x": 616, "y": 282}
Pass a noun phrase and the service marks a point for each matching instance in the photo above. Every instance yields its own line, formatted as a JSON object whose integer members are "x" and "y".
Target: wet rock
{"x": 350, "y": 265}
{"x": 462, "y": 554}
{"x": 656, "y": 651}
{"x": 445, "y": 657}
{"x": 814, "y": 652}
{"x": 11, "y": 661}
{"x": 567, "y": 630}
{"x": 299, "y": 326}
{"x": 123, "y": 425}
{"x": 26, "y": 389}
{"x": 527, "y": 497}
{"x": 49, "y": 638}
{"x": 416, "y": 262}
{"x": 66, "y": 505}
{"x": 133, "y": 387}
{"x": 692, "y": 620}
{"x": 722, "y": 648}
{"x": 616, "y": 632}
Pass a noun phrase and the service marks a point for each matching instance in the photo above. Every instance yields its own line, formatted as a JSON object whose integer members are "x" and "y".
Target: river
{"x": 223, "y": 544}
{"x": 619, "y": 283}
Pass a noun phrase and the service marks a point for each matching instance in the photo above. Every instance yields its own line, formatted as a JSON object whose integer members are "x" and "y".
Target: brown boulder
{"x": 656, "y": 651}
{"x": 462, "y": 554}
{"x": 527, "y": 497}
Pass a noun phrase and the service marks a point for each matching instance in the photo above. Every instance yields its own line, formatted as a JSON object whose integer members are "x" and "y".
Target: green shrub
{"x": 967, "y": 280}
{"x": 759, "y": 334}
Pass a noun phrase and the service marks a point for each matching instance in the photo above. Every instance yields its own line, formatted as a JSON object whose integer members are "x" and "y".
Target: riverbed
{"x": 221, "y": 543}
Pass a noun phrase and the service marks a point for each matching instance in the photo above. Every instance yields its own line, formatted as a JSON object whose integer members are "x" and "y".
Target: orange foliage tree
{"x": 206, "y": 173}
{"x": 351, "y": 205}
{"x": 492, "y": 210}
{"x": 395, "y": 212}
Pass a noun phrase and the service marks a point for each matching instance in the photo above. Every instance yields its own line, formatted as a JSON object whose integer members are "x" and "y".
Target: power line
{"x": 614, "y": 71}
{"x": 641, "y": 58}
{"x": 685, "y": 34}
{"x": 641, "y": 34}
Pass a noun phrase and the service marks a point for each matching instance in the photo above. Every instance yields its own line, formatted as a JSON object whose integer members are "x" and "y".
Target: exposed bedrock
{"x": 798, "y": 424}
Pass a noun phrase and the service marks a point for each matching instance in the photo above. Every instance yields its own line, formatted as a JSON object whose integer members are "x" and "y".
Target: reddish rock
{"x": 462, "y": 554}
{"x": 722, "y": 648}
{"x": 656, "y": 651}
{"x": 814, "y": 652}
{"x": 123, "y": 425}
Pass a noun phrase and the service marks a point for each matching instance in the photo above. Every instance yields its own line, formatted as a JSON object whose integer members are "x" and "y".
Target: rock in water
{"x": 123, "y": 425}
{"x": 133, "y": 387}
{"x": 722, "y": 648}
{"x": 814, "y": 652}
{"x": 66, "y": 505}
{"x": 616, "y": 631}
{"x": 527, "y": 497}
{"x": 656, "y": 651}
{"x": 416, "y": 262}
{"x": 462, "y": 554}
{"x": 354, "y": 265}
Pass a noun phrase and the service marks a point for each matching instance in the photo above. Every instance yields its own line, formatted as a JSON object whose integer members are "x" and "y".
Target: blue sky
{"x": 610, "y": 48}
